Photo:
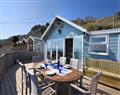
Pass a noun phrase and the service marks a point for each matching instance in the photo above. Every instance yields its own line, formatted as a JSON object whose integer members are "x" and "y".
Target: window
{"x": 60, "y": 48}
{"x": 38, "y": 45}
{"x": 99, "y": 45}
{"x": 55, "y": 49}
{"x": 49, "y": 50}
{"x": 77, "y": 47}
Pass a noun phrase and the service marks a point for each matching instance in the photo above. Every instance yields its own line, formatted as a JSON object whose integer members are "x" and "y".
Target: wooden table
{"x": 65, "y": 79}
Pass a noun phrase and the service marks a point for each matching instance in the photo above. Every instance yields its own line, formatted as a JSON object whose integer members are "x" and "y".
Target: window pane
{"x": 60, "y": 48}
{"x": 98, "y": 39}
{"x": 49, "y": 50}
{"x": 54, "y": 44}
{"x": 39, "y": 46}
{"x": 77, "y": 48}
{"x": 101, "y": 48}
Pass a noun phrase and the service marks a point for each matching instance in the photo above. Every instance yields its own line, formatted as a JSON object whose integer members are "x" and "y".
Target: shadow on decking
{"x": 11, "y": 83}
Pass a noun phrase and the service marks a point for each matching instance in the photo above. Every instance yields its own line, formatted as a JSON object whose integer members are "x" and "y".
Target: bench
{"x": 110, "y": 71}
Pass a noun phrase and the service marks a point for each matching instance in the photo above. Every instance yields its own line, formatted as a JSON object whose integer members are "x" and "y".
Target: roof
{"x": 65, "y": 20}
{"x": 34, "y": 38}
{"x": 108, "y": 31}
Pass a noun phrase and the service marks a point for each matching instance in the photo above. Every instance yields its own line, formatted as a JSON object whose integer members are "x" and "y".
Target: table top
{"x": 74, "y": 75}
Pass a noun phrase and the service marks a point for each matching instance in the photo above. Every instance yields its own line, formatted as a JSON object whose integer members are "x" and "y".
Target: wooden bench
{"x": 110, "y": 71}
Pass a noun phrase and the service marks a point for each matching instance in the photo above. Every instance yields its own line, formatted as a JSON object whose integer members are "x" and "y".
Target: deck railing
{"x": 8, "y": 59}
{"x": 105, "y": 65}
{"x": 110, "y": 71}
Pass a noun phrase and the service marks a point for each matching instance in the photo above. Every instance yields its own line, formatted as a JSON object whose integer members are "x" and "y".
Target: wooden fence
{"x": 8, "y": 59}
{"x": 105, "y": 65}
{"x": 110, "y": 71}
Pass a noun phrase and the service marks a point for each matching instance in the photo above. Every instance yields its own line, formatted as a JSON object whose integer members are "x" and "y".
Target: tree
{"x": 35, "y": 27}
{"x": 15, "y": 39}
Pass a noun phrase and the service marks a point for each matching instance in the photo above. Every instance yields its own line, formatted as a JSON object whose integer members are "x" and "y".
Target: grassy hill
{"x": 90, "y": 23}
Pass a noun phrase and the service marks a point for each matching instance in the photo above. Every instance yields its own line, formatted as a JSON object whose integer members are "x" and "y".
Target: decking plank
{"x": 11, "y": 86}
{"x": 3, "y": 88}
{"x": 8, "y": 90}
{"x": 15, "y": 78}
{"x": 13, "y": 81}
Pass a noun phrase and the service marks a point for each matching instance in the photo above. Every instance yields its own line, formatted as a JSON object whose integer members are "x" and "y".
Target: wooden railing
{"x": 110, "y": 71}
{"x": 105, "y": 65}
{"x": 8, "y": 59}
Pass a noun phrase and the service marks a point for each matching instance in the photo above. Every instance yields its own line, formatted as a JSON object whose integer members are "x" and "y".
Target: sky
{"x": 18, "y": 16}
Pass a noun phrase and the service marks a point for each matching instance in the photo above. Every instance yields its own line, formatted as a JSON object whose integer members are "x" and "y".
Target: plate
{"x": 67, "y": 66}
{"x": 50, "y": 72}
{"x": 41, "y": 66}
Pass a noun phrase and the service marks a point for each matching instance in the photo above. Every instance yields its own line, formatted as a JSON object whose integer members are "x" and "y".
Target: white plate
{"x": 40, "y": 66}
{"x": 50, "y": 72}
{"x": 67, "y": 66}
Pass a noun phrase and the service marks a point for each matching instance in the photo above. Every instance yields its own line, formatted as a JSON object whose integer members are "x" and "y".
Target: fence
{"x": 8, "y": 59}
{"x": 105, "y": 65}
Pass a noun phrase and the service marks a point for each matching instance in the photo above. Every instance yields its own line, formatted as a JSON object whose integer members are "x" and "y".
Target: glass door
{"x": 49, "y": 50}
{"x": 78, "y": 50}
{"x": 60, "y": 48}
{"x": 54, "y": 50}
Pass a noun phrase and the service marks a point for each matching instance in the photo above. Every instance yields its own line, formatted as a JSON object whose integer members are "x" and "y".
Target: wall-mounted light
{"x": 59, "y": 31}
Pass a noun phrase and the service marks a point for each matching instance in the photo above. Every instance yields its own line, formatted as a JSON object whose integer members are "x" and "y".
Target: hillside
{"x": 90, "y": 23}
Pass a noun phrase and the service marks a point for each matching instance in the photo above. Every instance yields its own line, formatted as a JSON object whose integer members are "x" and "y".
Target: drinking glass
{"x": 46, "y": 65}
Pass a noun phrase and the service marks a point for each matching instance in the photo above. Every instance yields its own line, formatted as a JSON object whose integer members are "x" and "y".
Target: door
{"x": 78, "y": 50}
{"x": 68, "y": 49}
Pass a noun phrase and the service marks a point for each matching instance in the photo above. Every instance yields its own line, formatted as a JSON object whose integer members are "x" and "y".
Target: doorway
{"x": 68, "y": 49}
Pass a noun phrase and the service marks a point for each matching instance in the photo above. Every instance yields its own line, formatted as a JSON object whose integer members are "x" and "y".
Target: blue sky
{"x": 18, "y": 16}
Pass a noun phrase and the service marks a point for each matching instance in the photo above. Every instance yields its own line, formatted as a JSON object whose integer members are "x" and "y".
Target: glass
{"x": 98, "y": 48}
{"x": 60, "y": 47}
{"x": 49, "y": 50}
{"x": 78, "y": 48}
{"x": 54, "y": 44}
{"x": 58, "y": 63}
{"x": 46, "y": 65}
{"x": 98, "y": 39}
{"x": 60, "y": 69}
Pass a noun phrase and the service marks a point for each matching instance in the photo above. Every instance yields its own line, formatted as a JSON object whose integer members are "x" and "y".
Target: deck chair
{"x": 93, "y": 86}
{"x": 36, "y": 59}
{"x": 24, "y": 78}
{"x": 39, "y": 89}
{"x": 74, "y": 63}
{"x": 63, "y": 60}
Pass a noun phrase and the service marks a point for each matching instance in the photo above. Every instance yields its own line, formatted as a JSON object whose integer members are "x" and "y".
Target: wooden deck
{"x": 11, "y": 83}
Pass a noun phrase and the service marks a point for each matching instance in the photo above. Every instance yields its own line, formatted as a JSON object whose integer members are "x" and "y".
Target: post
{"x": 113, "y": 20}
